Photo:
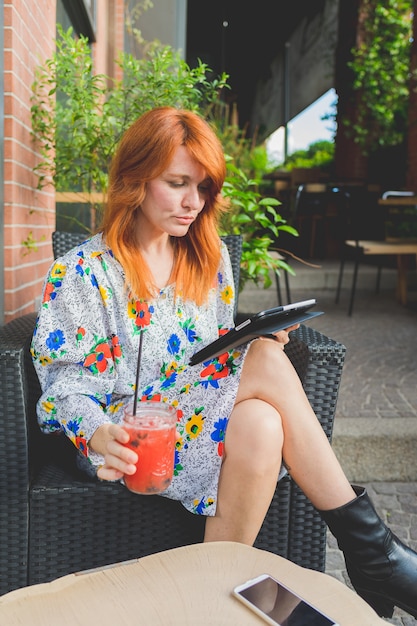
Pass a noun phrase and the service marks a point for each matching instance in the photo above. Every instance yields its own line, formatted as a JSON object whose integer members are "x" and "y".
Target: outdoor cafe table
{"x": 191, "y": 585}
{"x": 402, "y": 248}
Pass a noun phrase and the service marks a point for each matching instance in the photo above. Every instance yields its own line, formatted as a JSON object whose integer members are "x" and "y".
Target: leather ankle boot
{"x": 381, "y": 568}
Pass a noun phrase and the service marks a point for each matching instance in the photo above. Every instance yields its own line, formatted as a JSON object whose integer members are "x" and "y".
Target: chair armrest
{"x": 17, "y": 385}
{"x": 319, "y": 362}
{"x": 18, "y": 388}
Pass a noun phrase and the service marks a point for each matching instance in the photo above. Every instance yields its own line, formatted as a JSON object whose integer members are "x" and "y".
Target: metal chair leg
{"x": 353, "y": 289}
{"x": 279, "y": 294}
{"x": 287, "y": 287}
{"x": 339, "y": 280}
{"x": 378, "y": 279}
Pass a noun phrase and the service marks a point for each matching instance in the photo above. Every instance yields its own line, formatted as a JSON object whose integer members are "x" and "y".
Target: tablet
{"x": 260, "y": 324}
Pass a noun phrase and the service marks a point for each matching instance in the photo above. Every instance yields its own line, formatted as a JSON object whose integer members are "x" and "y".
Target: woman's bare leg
{"x": 249, "y": 472}
{"x": 269, "y": 374}
{"x": 268, "y": 378}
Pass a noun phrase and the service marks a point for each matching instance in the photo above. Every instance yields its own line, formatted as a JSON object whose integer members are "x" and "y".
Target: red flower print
{"x": 116, "y": 349}
{"x": 217, "y": 369}
{"x": 80, "y": 333}
{"x": 143, "y": 315}
{"x": 155, "y": 398}
{"x": 97, "y": 360}
{"x": 47, "y": 293}
{"x": 81, "y": 444}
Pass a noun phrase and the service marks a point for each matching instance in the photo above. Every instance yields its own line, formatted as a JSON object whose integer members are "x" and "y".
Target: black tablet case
{"x": 263, "y": 323}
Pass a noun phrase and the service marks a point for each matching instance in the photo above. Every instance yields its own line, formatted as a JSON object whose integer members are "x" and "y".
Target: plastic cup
{"x": 152, "y": 435}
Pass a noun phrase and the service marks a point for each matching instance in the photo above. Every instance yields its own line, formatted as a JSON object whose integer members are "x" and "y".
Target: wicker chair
{"x": 54, "y": 521}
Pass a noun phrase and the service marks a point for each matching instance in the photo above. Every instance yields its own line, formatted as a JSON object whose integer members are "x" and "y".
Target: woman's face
{"x": 174, "y": 199}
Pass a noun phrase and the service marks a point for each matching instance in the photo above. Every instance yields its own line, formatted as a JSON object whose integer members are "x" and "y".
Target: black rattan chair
{"x": 54, "y": 521}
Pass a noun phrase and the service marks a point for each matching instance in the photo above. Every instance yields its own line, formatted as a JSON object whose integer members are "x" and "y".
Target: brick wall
{"x": 29, "y": 30}
{"x": 29, "y": 214}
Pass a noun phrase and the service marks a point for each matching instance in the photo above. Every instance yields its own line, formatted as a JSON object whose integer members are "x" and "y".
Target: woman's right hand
{"x": 109, "y": 440}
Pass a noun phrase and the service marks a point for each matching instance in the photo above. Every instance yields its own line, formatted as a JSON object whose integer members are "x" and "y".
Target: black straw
{"x": 135, "y": 400}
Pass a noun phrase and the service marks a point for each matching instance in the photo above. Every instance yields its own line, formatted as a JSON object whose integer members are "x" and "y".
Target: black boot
{"x": 381, "y": 568}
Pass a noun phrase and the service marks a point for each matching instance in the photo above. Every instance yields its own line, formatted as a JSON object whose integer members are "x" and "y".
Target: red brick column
{"x": 29, "y": 33}
{"x": 29, "y": 36}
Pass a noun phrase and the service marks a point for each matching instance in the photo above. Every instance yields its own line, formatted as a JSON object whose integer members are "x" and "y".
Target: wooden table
{"x": 400, "y": 249}
{"x": 185, "y": 586}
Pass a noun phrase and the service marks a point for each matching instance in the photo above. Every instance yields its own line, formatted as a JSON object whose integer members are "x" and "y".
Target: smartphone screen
{"x": 279, "y": 605}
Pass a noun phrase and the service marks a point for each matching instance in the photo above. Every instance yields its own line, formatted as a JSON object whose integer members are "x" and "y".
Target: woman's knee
{"x": 266, "y": 366}
{"x": 255, "y": 429}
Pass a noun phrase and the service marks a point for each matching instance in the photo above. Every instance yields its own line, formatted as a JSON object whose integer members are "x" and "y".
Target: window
{"x": 82, "y": 15}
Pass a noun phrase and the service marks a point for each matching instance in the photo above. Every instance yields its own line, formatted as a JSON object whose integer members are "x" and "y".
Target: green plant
{"x": 78, "y": 117}
{"x": 381, "y": 73}
{"x": 258, "y": 220}
{"x": 318, "y": 154}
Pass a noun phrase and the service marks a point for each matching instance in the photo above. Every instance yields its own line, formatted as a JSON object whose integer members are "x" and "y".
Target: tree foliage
{"x": 381, "y": 66}
{"x": 78, "y": 117}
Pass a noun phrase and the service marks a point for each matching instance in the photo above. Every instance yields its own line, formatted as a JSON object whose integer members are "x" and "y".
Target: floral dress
{"x": 85, "y": 349}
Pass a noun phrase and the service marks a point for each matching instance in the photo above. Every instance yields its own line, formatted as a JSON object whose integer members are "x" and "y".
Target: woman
{"x": 159, "y": 267}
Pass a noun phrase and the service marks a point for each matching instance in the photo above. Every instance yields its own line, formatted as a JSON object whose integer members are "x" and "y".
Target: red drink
{"x": 152, "y": 433}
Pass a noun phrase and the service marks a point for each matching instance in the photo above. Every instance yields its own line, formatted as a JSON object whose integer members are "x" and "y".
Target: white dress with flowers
{"x": 85, "y": 349}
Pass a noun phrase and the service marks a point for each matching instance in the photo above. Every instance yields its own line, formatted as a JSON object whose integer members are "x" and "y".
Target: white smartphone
{"x": 278, "y": 605}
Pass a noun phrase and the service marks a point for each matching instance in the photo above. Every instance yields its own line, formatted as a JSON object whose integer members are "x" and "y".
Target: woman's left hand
{"x": 282, "y": 336}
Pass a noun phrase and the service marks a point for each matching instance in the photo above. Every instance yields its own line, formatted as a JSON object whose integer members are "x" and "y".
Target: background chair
{"x": 55, "y": 520}
{"x": 309, "y": 217}
{"x": 375, "y": 245}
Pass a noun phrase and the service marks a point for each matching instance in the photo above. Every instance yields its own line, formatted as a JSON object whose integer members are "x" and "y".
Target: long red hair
{"x": 144, "y": 152}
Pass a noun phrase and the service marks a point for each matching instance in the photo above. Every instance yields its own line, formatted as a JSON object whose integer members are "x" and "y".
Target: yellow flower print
{"x": 114, "y": 408}
{"x": 48, "y": 406}
{"x": 194, "y": 425}
{"x": 45, "y": 360}
{"x": 186, "y": 388}
{"x": 179, "y": 444}
{"x": 227, "y": 294}
{"x": 103, "y": 293}
{"x": 171, "y": 368}
{"x": 131, "y": 309}
{"x": 58, "y": 270}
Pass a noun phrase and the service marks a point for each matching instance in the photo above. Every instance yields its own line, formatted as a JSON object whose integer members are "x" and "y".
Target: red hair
{"x": 145, "y": 151}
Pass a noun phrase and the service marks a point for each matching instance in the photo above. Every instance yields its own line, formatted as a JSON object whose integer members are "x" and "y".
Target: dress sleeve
{"x": 74, "y": 354}
{"x": 225, "y": 293}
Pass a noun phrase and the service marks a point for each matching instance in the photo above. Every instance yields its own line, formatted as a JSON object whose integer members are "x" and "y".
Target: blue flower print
{"x": 201, "y": 505}
{"x": 199, "y": 509}
{"x": 55, "y": 339}
{"x": 220, "y": 278}
{"x": 174, "y": 343}
{"x": 220, "y": 429}
{"x": 50, "y": 425}
{"x": 189, "y": 330}
{"x": 94, "y": 280}
{"x": 169, "y": 381}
